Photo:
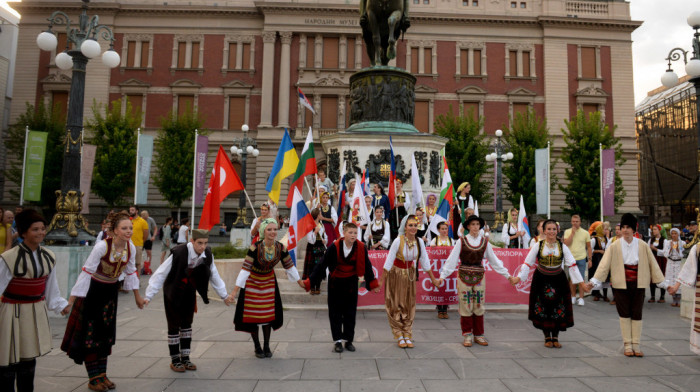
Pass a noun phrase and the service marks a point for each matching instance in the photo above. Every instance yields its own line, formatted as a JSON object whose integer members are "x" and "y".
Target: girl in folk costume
{"x": 255, "y": 226}
{"x": 315, "y": 249}
{"x": 690, "y": 277}
{"x": 329, "y": 217}
{"x": 348, "y": 198}
{"x": 550, "y": 297}
{"x": 598, "y": 243}
{"x": 377, "y": 237}
{"x": 467, "y": 256}
{"x": 430, "y": 206}
{"x": 402, "y": 200}
{"x": 540, "y": 234}
{"x": 510, "y": 234}
{"x": 28, "y": 286}
{"x": 656, "y": 243}
{"x": 673, "y": 250}
{"x": 399, "y": 279}
{"x": 422, "y": 232}
{"x": 381, "y": 199}
{"x": 464, "y": 201}
{"x": 442, "y": 239}
{"x": 92, "y": 326}
{"x": 370, "y": 212}
{"x": 258, "y": 304}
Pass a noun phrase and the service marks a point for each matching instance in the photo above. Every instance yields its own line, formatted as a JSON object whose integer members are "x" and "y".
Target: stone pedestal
{"x": 69, "y": 263}
{"x": 240, "y": 237}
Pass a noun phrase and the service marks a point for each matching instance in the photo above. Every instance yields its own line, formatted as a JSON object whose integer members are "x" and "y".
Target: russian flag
{"x": 364, "y": 184}
{"x": 300, "y": 224}
{"x": 442, "y": 215}
{"x": 305, "y": 101}
{"x": 392, "y": 177}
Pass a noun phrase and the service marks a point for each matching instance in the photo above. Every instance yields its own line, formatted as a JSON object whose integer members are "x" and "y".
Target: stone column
{"x": 267, "y": 82}
{"x": 285, "y": 65}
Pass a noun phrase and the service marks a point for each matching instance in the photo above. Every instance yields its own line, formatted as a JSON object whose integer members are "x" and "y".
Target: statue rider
{"x": 404, "y": 24}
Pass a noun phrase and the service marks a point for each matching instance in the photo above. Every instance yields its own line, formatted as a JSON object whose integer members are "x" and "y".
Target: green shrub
{"x": 228, "y": 251}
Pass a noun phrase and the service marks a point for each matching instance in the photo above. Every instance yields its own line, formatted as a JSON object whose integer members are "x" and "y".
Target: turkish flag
{"x": 222, "y": 183}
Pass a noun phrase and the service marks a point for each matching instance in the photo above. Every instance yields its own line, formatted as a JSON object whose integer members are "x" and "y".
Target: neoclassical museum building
{"x": 241, "y": 61}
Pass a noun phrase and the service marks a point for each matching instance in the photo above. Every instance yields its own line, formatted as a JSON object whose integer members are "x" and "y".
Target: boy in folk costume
{"x": 189, "y": 269}
{"x": 347, "y": 260}
{"x": 469, "y": 253}
{"x": 632, "y": 267}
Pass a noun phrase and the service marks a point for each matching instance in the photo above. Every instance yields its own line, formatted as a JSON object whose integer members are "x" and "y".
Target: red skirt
{"x": 330, "y": 232}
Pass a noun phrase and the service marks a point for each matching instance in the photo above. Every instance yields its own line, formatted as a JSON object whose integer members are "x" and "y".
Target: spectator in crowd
{"x": 579, "y": 242}
{"x": 166, "y": 238}
{"x": 5, "y": 232}
{"x": 148, "y": 241}
{"x": 183, "y": 234}
{"x": 139, "y": 236}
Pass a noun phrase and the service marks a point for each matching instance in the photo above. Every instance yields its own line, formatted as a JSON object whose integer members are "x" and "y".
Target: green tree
{"x": 583, "y": 136}
{"x": 174, "y": 155}
{"x": 53, "y": 122}
{"x": 115, "y": 136}
{"x": 526, "y": 134}
{"x": 465, "y": 151}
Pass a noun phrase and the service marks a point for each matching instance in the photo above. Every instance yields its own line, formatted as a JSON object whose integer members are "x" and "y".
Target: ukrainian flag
{"x": 285, "y": 165}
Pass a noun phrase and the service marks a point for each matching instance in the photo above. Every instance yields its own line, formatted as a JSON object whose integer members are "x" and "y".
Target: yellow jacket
{"x": 648, "y": 270}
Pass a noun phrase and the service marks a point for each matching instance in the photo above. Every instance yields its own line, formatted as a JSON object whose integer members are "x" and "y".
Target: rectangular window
{"x": 310, "y": 50}
{"x": 59, "y": 101}
{"x": 145, "y": 46}
{"x": 62, "y": 42}
{"x": 523, "y": 5}
{"x": 136, "y": 102}
{"x": 245, "y": 62}
{"x": 588, "y": 68}
{"x": 470, "y": 109}
{"x": 477, "y": 62}
{"x": 330, "y": 52}
{"x": 513, "y": 4}
{"x": 329, "y": 112}
{"x": 526, "y": 64}
{"x": 521, "y": 108}
{"x": 236, "y": 112}
{"x": 308, "y": 115}
{"x": 513, "y": 59}
{"x": 589, "y": 108}
{"x": 185, "y": 103}
{"x": 350, "y": 64}
{"x": 232, "y": 55}
{"x": 464, "y": 62}
{"x": 414, "y": 60}
{"x": 195, "y": 55}
{"x": 426, "y": 2}
{"x": 181, "y": 54}
{"x": 416, "y": 1}
{"x": 422, "y": 118}
{"x": 131, "y": 54}
{"x": 428, "y": 60}
{"x": 465, "y": 3}
{"x": 475, "y": 3}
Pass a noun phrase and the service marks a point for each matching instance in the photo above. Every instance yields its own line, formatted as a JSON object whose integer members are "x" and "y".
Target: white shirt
{"x": 334, "y": 214}
{"x": 506, "y": 233}
{"x": 311, "y": 237}
{"x": 54, "y": 300}
{"x": 630, "y": 251}
{"x": 82, "y": 285}
{"x": 182, "y": 234}
{"x": 654, "y": 242}
{"x": 568, "y": 261}
{"x": 346, "y": 249}
{"x": 674, "y": 254}
{"x": 408, "y": 254}
{"x": 292, "y": 275}
{"x": 386, "y": 238}
{"x": 452, "y": 262}
{"x": 602, "y": 245}
{"x": 438, "y": 242}
{"x": 193, "y": 260}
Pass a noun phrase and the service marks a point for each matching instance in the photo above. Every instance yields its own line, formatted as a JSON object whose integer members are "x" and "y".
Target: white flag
{"x": 523, "y": 224}
{"x": 416, "y": 190}
{"x": 358, "y": 209}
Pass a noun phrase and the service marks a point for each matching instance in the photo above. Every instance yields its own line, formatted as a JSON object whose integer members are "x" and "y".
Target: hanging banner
{"x": 499, "y": 290}
{"x": 34, "y": 165}
{"x": 607, "y": 160}
{"x": 200, "y": 183}
{"x": 144, "y": 155}
{"x": 541, "y": 179}
{"x": 86, "y": 165}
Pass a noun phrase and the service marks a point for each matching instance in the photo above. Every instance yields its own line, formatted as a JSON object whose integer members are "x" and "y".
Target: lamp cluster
{"x": 249, "y": 149}
{"x": 495, "y": 155}
{"x": 692, "y": 66}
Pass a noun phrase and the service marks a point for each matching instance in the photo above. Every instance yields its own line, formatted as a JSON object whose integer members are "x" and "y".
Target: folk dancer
{"x": 690, "y": 277}
{"x": 380, "y": 198}
{"x": 464, "y": 201}
{"x": 673, "y": 250}
{"x": 329, "y": 217}
{"x": 510, "y": 234}
{"x": 255, "y": 226}
{"x": 430, "y": 206}
{"x": 377, "y": 237}
{"x": 599, "y": 243}
{"x": 656, "y": 243}
{"x": 442, "y": 239}
{"x": 402, "y": 200}
{"x": 316, "y": 240}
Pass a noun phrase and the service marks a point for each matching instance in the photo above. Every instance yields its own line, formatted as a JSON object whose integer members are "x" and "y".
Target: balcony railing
{"x": 587, "y": 7}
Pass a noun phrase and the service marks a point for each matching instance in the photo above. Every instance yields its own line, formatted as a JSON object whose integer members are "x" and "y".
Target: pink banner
{"x": 201, "y": 170}
{"x": 607, "y": 159}
{"x": 498, "y": 290}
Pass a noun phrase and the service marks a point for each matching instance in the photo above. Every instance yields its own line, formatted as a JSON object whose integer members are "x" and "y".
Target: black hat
{"x": 692, "y": 223}
{"x": 26, "y": 218}
{"x": 474, "y": 218}
{"x": 629, "y": 220}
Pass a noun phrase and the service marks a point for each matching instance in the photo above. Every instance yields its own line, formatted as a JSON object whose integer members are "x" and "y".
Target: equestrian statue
{"x": 383, "y": 22}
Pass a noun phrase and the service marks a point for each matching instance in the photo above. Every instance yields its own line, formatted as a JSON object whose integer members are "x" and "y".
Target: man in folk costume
{"x": 347, "y": 260}
{"x": 469, "y": 253}
{"x": 632, "y": 267}
{"x": 189, "y": 269}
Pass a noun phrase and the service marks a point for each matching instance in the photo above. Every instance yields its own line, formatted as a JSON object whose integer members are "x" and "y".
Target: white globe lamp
{"x": 249, "y": 149}
{"x": 110, "y": 58}
{"x": 669, "y": 79}
{"x": 693, "y": 68}
{"x": 499, "y": 133}
{"x": 694, "y": 20}
{"x": 46, "y": 41}
{"x": 256, "y": 152}
{"x": 90, "y": 48}
{"x": 64, "y": 61}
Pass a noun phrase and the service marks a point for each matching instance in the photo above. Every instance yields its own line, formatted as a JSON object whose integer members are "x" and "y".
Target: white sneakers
{"x": 580, "y": 302}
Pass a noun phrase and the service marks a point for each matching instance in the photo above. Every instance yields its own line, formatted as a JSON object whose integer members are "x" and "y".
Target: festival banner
{"x": 34, "y": 165}
{"x": 498, "y": 289}
{"x": 542, "y": 179}
{"x": 144, "y": 154}
{"x": 201, "y": 170}
{"x": 87, "y": 163}
{"x": 607, "y": 161}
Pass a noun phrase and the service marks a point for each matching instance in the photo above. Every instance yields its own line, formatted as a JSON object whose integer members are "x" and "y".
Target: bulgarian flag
{"x": 306, "y": 167}
{"x": 447, "y": 191}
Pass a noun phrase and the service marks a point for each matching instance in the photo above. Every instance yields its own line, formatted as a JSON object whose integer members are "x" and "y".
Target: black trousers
{"x": 342, "y": 307}
{"x": 629, "y": 301}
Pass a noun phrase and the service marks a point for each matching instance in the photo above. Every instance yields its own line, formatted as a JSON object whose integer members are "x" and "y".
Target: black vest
{"x": 179, "y": 278}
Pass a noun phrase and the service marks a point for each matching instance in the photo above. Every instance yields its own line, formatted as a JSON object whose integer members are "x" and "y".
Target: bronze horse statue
{"x": 383, "y": 22}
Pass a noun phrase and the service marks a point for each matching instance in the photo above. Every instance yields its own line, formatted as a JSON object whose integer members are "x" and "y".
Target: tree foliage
{"x": 583, "y": 136}
{"x": 526, "y": 134}
{"x": 115, "y": 136}
{"x": 174, "y": 155}
{"x": 465, "y": 151}
{"x": 39, "y": 118}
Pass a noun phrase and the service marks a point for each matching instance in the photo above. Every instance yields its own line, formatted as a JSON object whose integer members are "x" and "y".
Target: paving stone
{"x": 547, "y": 385}
{"x": 568, "y": 350}
{"x": 483, "y": 385}
{"x": 467, "y": 369}
{"x": 264, "y": 369}
{"x": 207, "y": 369}
{"x": 324, "y": 335}
{"x": 231, "y": 350}
{"x": 558, "y": 367}
{"x": 376, "y": 350}
{"x": 337, "y": 369}
{"x": 626, "y": 367}
{"x": 212, "y": 385}
{"x": 305, "y": 350}
{"x": 381, "y": 385}
{"x": 500, "y": 349}
{"x": 680, "y": 364}
{"x": 126, "y": 367}
{"x": 298, "y": 386}
{"x": 429, "y": 369}
{"x": 58, "y": 384}
{"x": 624, "y": 384}
{"x": 685, "y": 383}
{"x": 140, "y": 384}
{"x": 440, "y": 350}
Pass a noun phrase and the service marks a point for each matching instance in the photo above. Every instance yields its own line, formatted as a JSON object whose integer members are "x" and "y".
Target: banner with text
{"x": 607, "y": 160}
{"x": 201, "y": 170}
{"x": 143, "y": 168}
{"x": 86, "y": 166}
{"x": 542, "y": 180}
{"x": 34, "y": 165}
{"x": 498, "y": 290}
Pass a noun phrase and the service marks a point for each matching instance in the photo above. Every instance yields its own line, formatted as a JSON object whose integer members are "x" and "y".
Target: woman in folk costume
{"x": 255, "y": 226}
{"x": 598, "y": 243}
{"x": 315, "y": 249}
{"x": 467, "y": 256}
{"x": 258, "y": 304}
{"x": 464, "y": 201}
{"x": 690, "y": 277}
{"x": 28, "y": 286}
{"x": 540, "y": 234}
{"x": 673, "y": 250}
{"x": 92, "y": 326}
{"x": 402, "y": 200}
{"x": 422, "y": 232}
{"x": 370, "y": 212}
{"x": 656, "y": 243}
{"x": 550, "y": 297}
{"x": 430, "y": 206}
{"x": 381, "y": 199}
{"x": 510, "y": 234}
{"x": 442, "y": 239}
{"x": 632, "y": 266}
{"x": 399, "y": 281}
{"x": 377, "y": 237}
{"x": 329, "y": 217}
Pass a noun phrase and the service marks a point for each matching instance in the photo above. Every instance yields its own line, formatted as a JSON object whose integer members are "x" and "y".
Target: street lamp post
{"x": 68, "y": 225}
{"x": 498, "y": 157}
{"x": 692, "y": 69}
{"x": 241, "y": 148}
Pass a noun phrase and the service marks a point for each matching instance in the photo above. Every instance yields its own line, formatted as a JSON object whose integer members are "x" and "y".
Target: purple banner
{"x": 201, "y": 169}
{"x": 607, "y": 161}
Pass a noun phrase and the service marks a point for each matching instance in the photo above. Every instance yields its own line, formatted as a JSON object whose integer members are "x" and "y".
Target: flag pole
{"x": 549, "y": 185}
{"x": 307, "y": 186}
{"x": 24, "y": 165}
{"x": 600, "y": 167}
{"x": 194, "y": 174}
{"x": 251, "y": 203}
{"x": 136, "y": 177}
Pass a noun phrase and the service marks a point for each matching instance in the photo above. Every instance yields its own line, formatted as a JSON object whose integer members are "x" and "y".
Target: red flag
{"x": 222, "y": 183}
